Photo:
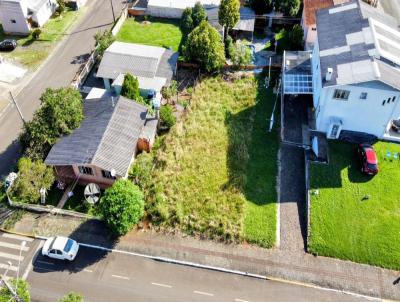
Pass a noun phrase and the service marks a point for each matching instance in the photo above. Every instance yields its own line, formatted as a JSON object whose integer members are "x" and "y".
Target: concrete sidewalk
{"x": 289, "y": 265}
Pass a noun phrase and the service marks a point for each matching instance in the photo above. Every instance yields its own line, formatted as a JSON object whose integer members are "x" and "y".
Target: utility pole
{"x": 112, "y": 9}
{"x": 16, "y": 105}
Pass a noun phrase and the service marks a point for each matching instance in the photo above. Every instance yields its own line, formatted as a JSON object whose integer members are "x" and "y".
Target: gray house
{"x": 153, "y": 66}
{"x": 104, "y": 146}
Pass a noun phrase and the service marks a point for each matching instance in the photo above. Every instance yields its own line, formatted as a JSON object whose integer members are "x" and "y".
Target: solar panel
{"x": 298, "y": 84}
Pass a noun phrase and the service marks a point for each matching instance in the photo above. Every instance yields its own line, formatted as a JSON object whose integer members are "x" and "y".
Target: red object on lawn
{"x": 368, "y": 158}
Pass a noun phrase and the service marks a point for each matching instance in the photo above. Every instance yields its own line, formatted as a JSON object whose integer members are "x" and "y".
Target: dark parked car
{"x": 8, "y": 45}
{"x": 396, "y": 126}
{"x": 368, "y": 158}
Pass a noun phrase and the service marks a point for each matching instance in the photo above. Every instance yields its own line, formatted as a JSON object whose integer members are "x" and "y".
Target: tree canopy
{"x": 199, "y": 14}
{"x": 122, "y": 206}
{"x": 228, "y": 13}
{"x": 72, "y": 297}
{"x": 130, "y": 87}
{"x": 60, "y": 113}
{"x": 186, "y": 24}
{"x": 204, "y": 46}
{"x": 23, "y": 291}
{"x": 261, "y": 6}
{"x": 288, "y": 7}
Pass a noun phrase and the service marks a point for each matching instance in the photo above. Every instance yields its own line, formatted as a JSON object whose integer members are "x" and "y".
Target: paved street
{"x": 102, "y": 276}
{"x": 58, "y": 71}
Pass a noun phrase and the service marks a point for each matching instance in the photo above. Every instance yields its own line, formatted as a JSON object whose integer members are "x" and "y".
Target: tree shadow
{"x": 92, "y": 232}
{"x": 9, "y": 158}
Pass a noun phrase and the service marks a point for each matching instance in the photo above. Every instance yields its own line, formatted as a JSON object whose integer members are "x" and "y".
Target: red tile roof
{"x": 311, "y": 7}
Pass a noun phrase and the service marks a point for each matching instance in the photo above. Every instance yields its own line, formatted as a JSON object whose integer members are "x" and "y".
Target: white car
{"x": 59, "y": 247}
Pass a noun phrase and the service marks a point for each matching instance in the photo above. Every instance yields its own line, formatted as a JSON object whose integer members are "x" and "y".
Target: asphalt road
{"x": 58, "y": 71}
{"x": 101, "y": 276}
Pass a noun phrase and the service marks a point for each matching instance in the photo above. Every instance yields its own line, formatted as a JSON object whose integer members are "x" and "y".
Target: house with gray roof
{"x": 154, "y": 67}
{"x": 104, "y": 146}
{"x": 356, "y": 71}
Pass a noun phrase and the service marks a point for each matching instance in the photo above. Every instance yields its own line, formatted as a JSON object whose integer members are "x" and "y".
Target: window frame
{"x": 363, "y": 95}
{"x": 85, "y": 170}
{"x": 107, "y": 174}
{"x": 341, "y": 94}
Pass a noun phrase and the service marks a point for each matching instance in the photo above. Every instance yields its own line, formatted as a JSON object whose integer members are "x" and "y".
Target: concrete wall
{"x": 369, "y": 115}
{"x": 13, "y": 17}
{"x": 164, "y": 12}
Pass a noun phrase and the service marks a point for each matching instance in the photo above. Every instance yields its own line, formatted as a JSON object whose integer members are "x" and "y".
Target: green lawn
{"x": 159, "y": 32}
{"x": 215, "y": 172}
{"x": 31, "y": 53}
{"x": 353, "y": 216}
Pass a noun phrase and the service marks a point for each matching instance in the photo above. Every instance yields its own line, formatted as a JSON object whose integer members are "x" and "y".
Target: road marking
{"x": 14, "y": 246}
{"x": 44, "y": 262}
{"x": 8, "y": 267}
{"x": 203, "y": 293}
{"x": 11, "y": 256}
{"x": 18, "y": 237}
{"x": 120, "y": 277}
{"x": 162, "y": 285}
{"x": 240, "y": 300}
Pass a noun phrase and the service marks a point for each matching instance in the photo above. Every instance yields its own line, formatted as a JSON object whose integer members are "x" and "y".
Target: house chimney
{"x": 329, "y": 73}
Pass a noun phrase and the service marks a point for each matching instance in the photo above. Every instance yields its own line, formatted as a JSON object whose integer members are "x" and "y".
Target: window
{"x": 107, "y": 174}
{"x": 341, "y": 94}
{"x": 13, "y": 21}
{"x": 85, "y": 170}
{"x": 383, "y": 103}
{"x": 363, "y": 95}
{"x": 314, "y": 28}
{"x": 394, "y": 98}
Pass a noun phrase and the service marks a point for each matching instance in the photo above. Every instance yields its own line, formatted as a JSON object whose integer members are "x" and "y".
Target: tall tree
{"x": 60, "y": 113}
{"x": 297, "y": 36}
{"x": 204, "y": 46}
{"x": 130, "y": 87}
{"x": 228, "y": 14}
{"x": 288, "y": 7}
{"x": 261, "y": 6}
{"x": 199, "y": 14}
{"x": 186, "y": 24}
{"x": 122, "y": 206}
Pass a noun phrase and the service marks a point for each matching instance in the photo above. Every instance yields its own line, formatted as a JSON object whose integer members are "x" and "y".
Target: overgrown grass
{"x": 31, "y": 53}
{"x": 215, "y": 172}
{"x": 10, "y": 222}
{"x": 353, "y": 216}
{"x": 159, "y": 32}
{"x": 78, "y": 203}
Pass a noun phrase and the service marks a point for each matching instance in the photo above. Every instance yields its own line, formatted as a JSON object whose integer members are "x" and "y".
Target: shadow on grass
{"x": 91, "y": 232}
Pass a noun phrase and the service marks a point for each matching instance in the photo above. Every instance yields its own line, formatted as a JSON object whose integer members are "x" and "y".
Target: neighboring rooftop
{"x": 360, "y": 43}
{"x": 246, "y": 22}
{"x": 182, "y": 4}
{"x": 311, "y": 7}
{"x": 139, "y": 60}
{"x": 107, "y": 137}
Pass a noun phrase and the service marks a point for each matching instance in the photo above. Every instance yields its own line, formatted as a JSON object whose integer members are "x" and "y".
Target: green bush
{"x": 122, "y": 206}
{"x": 32, "y": 176}
{"x": 61, "y": 6}
{"x": 186, "y": 24}
{"x": 36, "y": 33}
{"x": 130, "y": 87}
{"x": 199, "y": 14}
{"x": 167, "y": 116}
{"x": 229, "y": 47}
{"x": 170, "y": 91}
{"x": 72, "y": 297}
{"x": 241, "y": 55}
{"x": 140, "y": 171}
{"x": 261, "y": 6}
{"x": 23, "y": 291}
{"x": 103, "y": 41}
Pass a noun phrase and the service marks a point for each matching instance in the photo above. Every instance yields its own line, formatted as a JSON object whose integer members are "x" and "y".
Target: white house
{"x": 18, "y": 16}
{"x": 174, "y": 8}
{"x": 356, "y": 71}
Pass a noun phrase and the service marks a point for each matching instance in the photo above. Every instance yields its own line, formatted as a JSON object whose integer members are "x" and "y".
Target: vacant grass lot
{"x": 353, "y": 216}
{"x": 31, "y": 53}
{"x": 215, "y": 172}
{"x": 155, "y": 32}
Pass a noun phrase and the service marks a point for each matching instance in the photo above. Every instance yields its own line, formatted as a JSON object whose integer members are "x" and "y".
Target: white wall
{"x": 356, "y": 114}
{"x": 45, "y": 12}
{"x": 11, "y": 11}
{"x": 164, "y": 12}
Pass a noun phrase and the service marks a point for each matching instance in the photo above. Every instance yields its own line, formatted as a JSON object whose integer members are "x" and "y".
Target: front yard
{"x": 155, "y": 32}
{"x": 31, "y": 53}
{"x": 353, "y": 216}
{"x": 215, "y": 172}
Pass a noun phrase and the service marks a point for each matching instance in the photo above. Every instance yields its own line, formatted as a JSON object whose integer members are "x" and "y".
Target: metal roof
{"x": 247, "y": 20}
{"x": 107, "y": 137}
{"x": 360, "y": 44}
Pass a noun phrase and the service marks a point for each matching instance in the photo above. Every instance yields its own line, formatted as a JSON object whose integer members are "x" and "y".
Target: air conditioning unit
{"x": 334, "y": 129}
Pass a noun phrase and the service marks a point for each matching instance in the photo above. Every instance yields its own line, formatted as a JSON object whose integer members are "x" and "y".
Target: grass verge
{"x": 353, "y": 216}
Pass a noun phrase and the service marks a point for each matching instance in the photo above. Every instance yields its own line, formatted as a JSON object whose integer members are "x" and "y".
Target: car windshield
{"x": 68, "y": 245}
{"x": 371, "y": 167}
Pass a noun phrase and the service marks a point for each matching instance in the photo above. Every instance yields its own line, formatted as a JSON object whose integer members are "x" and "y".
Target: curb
{"x": 208, "y": 267}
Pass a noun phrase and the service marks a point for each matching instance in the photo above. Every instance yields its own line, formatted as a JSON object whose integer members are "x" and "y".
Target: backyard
{"x": 31, "y": 53}
{"x": 155, "y": 32}
{"x": 215, "y": 172}
{"x": 353, "y": 216}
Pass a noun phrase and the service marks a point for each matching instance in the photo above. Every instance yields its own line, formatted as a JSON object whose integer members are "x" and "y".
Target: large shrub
{"x": 186, "y": 24}
{"x": 32, "y": 176}
{"x": 204, "y": 46}
{"x": 103, "y": 40}
{"x": 199, "y": 14}
{"x": 23, "y": 291}
{"x": 261, "y": 6}
{"x": 60, "y": 113}
{"x": 72, "y": 297}
{"x": 122, "y": 206}
{"x": 130, "y": 87}
{"x": 167, "y": 116}
{"x": 288, "y": 7}
{"x": 241, "y": 54}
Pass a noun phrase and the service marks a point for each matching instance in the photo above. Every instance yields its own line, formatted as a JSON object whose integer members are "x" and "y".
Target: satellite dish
{"x": 92, "y": 193}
